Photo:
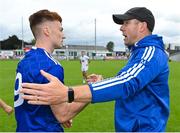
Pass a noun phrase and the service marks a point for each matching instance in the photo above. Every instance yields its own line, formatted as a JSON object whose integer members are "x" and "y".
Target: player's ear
{"x": 46, "y": 30}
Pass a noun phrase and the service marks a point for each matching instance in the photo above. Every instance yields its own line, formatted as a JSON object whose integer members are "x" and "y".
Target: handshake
{"x": 94, "y": 78}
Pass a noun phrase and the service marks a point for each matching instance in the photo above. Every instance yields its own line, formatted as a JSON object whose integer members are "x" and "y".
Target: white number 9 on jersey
{"x": 18, "y": 96}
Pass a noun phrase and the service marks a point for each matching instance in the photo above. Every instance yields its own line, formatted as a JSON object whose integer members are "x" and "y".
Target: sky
{"x": 79, "y": 19}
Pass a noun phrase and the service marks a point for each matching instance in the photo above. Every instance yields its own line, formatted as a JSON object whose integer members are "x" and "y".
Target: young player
{"x": 47, "y": 29}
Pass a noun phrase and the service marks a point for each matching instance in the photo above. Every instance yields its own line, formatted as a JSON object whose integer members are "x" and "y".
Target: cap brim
{"x": 120, "y": 18}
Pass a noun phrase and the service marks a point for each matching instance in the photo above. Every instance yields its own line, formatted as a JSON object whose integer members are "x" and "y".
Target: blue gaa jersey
{"x": 35, "y": 118}
{"x": 140, "y": 89}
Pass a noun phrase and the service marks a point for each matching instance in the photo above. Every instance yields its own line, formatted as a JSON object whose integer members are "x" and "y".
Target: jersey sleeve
{"x": 87, "y": 57}
{"x": 56, "y": 71}
{"x": 36, "y": 77}
{"x": 134, "y": 77}
{"x": 41, "y": 60}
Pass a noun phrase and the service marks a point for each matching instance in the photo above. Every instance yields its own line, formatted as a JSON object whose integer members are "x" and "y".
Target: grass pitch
{"x": 96, "y": 117}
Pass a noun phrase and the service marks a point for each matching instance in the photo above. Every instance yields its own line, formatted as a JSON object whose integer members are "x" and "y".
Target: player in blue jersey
{"x": 140, "y": 88}
{"x": 47, "y": 29}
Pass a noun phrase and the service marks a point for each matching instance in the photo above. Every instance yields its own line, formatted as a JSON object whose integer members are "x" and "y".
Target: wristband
{"x": 70, "y": 95}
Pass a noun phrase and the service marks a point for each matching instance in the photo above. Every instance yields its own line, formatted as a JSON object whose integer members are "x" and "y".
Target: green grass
{"x": 96, "y": 117}
{"x": 174, "y": 84}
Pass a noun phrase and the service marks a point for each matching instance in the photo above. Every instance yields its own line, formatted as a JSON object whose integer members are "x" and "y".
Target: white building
{"x": 6, "y": 54}
{"x": 74, "y": 52}
{"x": 175, "y": 57}
{"x": 66, "y": 52}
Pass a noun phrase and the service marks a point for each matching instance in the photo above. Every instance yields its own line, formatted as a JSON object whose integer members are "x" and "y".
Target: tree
{"x": 13, "y": 42}
{"x": 110, "y": 46}
{"x": 33, "y": 41}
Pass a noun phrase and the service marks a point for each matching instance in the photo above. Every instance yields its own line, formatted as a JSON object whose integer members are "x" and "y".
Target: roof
{"x": 84, "y": 47}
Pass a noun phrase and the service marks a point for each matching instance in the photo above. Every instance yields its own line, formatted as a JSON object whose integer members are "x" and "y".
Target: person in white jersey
{"x": 84, "y": 60}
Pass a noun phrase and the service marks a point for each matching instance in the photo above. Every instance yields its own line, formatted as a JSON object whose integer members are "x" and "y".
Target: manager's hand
{"x": 53, "y": 92}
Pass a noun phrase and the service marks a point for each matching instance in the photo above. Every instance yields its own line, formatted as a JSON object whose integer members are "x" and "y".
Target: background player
{"x": 84, "y": 60}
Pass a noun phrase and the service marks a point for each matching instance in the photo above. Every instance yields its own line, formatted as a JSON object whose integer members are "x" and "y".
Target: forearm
{"x": 67, "y": 111}
{"x": 2, "y": 104}
{"x": 82, "y": 94}
{"x": 59, "y": 111}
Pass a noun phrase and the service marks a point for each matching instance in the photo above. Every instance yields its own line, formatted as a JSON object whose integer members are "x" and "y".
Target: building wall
{"x": 76, "y": 53}
{"x": 175, "y": 57}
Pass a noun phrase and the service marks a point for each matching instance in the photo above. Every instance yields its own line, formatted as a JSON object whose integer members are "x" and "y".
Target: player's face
{"x": 130, "y": 32}
{"x": 57, "y": 34}
{"x": 82, "y": 53}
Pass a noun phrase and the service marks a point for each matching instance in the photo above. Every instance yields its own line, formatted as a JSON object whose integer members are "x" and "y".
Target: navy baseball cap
{"x": 140, "y": 13}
